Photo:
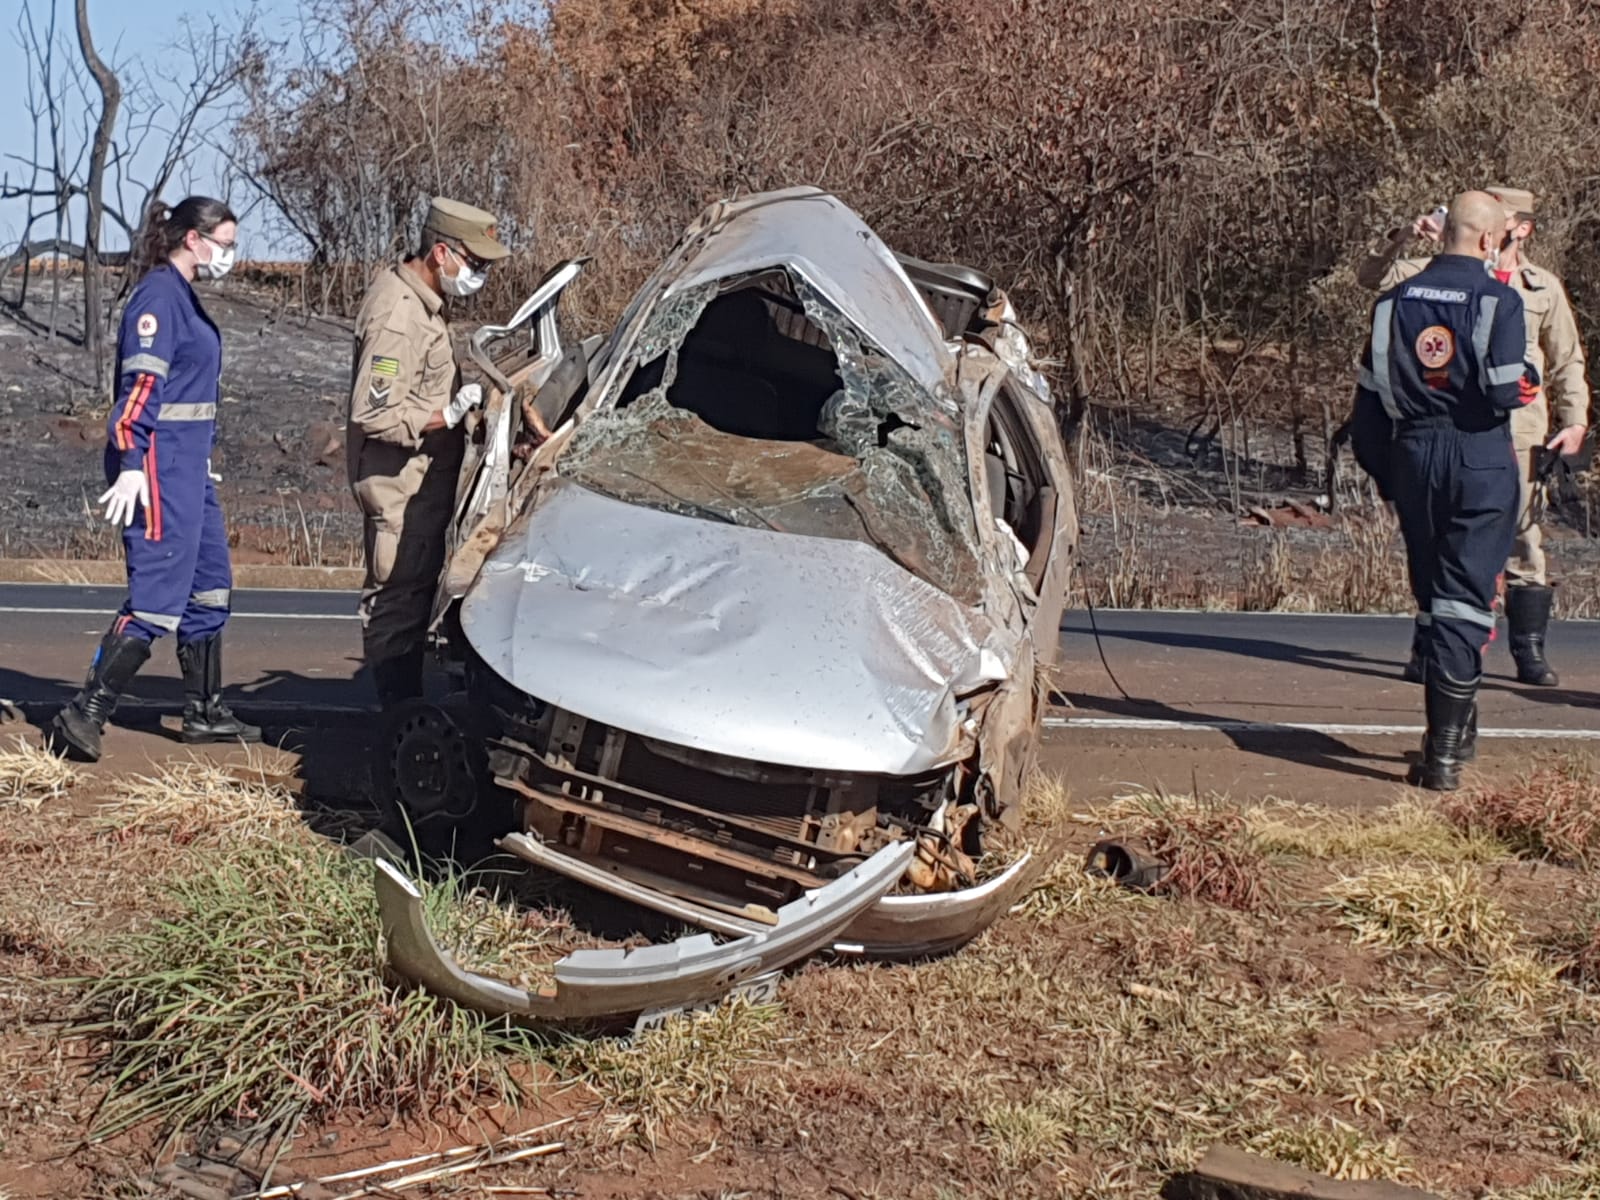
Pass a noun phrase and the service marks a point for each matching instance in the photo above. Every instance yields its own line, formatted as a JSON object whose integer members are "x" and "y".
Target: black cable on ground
{"x": 1110, "y": 674}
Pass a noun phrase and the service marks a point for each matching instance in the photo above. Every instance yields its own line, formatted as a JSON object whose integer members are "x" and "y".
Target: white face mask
{"x": 465, "y": 282}
{"x": 220, "y": 264}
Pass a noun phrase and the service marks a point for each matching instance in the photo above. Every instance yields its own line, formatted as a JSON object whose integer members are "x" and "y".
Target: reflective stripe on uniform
{"x": 189, "y": 412}
{"x": 1456, "y": 610}
{"x": 132, "y": 408}
{"x": 1481, "y": 332}
{"x": 146, "y": 362}
{"x": 159, "y": 620}
{"x": 215, "y": 598}
{"x": 1382, "y": 383}
{"x": 1510, "y": 373}
{"x": 1423, "y": 618}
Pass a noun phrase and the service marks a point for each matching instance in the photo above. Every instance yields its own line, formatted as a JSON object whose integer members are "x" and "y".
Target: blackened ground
{"x": 1170, "y": 518}
{"x": 280, "y": 437}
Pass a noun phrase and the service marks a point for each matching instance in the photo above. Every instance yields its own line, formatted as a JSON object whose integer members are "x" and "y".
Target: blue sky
{"x": 147, "y": 30}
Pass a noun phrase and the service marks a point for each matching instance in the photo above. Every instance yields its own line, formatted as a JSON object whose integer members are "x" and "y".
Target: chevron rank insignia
{"x": 385, "y": 366}
{"x": 378, "y": 392}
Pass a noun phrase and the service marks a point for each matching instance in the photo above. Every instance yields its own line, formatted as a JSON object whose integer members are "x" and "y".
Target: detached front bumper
{"x": 605, "y": 985}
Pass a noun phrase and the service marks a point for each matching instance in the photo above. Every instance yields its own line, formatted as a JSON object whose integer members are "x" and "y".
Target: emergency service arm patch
{"x": 1436, "y": 346}
{"x": 147, "y": 325}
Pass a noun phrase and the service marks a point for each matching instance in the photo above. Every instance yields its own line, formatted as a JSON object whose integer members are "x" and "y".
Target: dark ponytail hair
{"x": 165, "y": 228}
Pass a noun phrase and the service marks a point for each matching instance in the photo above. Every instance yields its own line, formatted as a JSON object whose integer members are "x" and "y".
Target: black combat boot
{"x": 398, "y": 678}
{"x": 76, "y": 730}
{"x": 206, "y": 719}
{"x": 1528, "y": 617}
{"x": 1452, "y": 736}
{"x": 1413, "y": 671}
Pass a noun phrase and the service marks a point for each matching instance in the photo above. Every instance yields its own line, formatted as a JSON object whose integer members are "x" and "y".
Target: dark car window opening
{"x": 752, "y": 366}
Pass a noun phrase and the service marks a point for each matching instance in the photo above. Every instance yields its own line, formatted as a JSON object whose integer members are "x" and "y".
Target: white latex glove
{"x": 123, "y": 498}
{"x": 467, "y": 399}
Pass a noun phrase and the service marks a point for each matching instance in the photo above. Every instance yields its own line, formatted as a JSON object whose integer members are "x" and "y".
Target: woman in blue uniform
{"x": 158, "y": 452}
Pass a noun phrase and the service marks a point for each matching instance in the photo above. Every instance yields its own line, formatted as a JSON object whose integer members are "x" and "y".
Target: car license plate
{"x": 762, "y": 989}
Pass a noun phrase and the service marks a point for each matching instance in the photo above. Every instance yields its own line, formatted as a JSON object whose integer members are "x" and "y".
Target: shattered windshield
{"x": 756, "y": 403}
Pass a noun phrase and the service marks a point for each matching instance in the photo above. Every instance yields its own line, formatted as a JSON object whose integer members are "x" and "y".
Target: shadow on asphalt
{"x": 1300, "y": 746}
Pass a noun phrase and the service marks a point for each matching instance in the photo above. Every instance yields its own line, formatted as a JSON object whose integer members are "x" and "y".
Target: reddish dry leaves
{"x": 1553, "y": 814}
{"x": 1211, "y": 854}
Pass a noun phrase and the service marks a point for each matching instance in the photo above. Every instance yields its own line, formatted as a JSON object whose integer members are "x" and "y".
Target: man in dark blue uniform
{"x": 1442, "y": 372}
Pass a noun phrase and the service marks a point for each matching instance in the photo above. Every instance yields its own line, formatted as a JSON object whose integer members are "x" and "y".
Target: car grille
{"x": 778, "y": 808}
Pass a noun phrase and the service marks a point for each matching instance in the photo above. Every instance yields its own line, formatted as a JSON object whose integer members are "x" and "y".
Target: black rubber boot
{"x": 1452, "y": 735}
{"x": 76, "y": 730}
{"x": 398, "y": 679}
{"x": 1413, "y": 671}
{"x": 1528, "y": 618}
{"x": 206, "y": 719}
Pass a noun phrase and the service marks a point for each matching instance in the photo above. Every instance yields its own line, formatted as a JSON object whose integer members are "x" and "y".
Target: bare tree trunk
{"x": 110, "y": 99}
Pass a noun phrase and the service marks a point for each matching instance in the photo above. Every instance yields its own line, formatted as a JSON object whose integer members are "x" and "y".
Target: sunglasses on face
{"x": 472, "y": 260}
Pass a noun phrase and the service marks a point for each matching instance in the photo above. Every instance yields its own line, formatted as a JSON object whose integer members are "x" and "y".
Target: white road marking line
{"x": 240, "y": 700}
{"x": 253, "y": 616}
{"x": 1225, "y": 726}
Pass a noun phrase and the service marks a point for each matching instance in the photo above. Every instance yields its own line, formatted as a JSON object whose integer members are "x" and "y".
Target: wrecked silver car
{"x": 750, "y": 603}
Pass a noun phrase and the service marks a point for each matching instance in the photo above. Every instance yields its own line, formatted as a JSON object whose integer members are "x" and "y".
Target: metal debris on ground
{"x": 227, "y": 1171}
{"x": 1127, "y": 865}
{"x": 1229, "y": 1174}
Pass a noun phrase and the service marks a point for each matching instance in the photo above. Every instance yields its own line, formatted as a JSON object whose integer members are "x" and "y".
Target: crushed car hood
{"x": 771, "y": 647}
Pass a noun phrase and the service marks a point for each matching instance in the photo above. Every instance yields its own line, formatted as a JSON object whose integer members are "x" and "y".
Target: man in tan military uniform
{"x": 1555, "y": 349}
{"x": 405, "y": 440}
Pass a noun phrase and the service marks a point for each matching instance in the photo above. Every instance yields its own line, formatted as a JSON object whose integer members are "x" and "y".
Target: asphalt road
{"x": 1306, "y": 706}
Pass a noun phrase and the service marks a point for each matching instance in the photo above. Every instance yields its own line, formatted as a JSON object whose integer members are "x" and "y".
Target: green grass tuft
{"x": 262, "y": 999}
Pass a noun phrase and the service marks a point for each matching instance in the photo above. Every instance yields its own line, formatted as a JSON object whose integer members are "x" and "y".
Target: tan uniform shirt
{"x": 1553, "y": 344}
{"x": 403, "y": 373}
{"x": 404, "y": 370}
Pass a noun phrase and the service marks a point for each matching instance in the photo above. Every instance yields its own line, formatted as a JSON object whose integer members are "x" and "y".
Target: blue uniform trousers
{"x": 180, "y": 577}
{"x": 1455, "y": 493}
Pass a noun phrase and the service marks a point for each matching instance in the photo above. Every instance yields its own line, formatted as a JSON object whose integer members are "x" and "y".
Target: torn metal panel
{"x": 908, "y": 927}
{"x": 815, "y": 236}
{"x": 672, "y": 628}
{"x": 602, "y": 984}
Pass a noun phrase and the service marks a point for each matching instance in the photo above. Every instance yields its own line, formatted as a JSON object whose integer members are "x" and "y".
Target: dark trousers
{"x": 1455, "y": 493}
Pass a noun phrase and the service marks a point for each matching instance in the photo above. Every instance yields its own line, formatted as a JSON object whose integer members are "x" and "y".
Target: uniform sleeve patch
{"x": 385, "y": 366}
{"x": 1436, "y": 346}
{"x": 147, "y": 325}
{"x": 378, "y": 391}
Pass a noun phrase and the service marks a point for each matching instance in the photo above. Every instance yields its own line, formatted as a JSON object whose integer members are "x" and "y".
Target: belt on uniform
{"x": 1410, "y": 424}
{"x": 188, "y": 412}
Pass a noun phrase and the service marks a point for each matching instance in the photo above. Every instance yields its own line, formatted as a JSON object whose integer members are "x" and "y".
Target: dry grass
{"x": 1406, "y": 830}
{"x": 1092, "y": 1043}
{"x": 1552, "y": 814}
{"x": 684, "y": 1066}
{"x": 1210, "y": 851}
{"x": 198, "y": 800}
{"x": 1337, "y": 1149}
{"x": 30, "y": 775}
{"x": 1445, "y": 911}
